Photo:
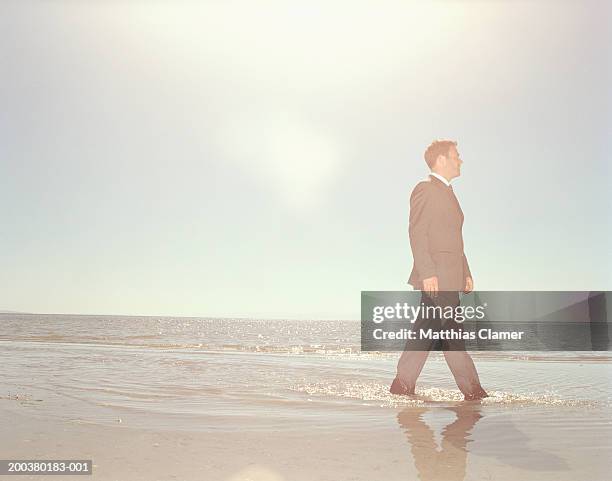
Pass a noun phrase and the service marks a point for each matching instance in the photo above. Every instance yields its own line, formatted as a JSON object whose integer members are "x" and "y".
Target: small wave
{"x": 329, "y": 350}
{"x": 378, "y": 394}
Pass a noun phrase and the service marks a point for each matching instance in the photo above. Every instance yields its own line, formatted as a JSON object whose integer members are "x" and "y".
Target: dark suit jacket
{"x": 435, "y": 224}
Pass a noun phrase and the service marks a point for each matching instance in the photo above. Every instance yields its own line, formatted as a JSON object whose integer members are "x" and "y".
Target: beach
{"x": 228, "y": 399}
{"x": 225, "y": 221}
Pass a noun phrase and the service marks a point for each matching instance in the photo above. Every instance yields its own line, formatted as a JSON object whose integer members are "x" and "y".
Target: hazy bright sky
{"x": 227, "y": 159}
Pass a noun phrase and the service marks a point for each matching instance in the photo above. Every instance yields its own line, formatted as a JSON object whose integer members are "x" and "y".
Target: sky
{"x": 242, "y": 159}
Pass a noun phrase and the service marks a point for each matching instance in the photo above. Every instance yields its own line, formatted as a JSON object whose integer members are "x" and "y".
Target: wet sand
{"x": 463, "y": 442}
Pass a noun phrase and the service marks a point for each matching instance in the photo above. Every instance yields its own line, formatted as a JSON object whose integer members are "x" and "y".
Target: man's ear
{"x": 441, "y": 160}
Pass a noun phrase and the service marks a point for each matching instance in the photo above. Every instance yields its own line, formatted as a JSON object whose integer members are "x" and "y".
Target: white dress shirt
{"x": 439, "y": 177}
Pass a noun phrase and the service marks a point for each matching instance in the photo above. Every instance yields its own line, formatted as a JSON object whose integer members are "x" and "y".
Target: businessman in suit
{"x": 440, "y": 269}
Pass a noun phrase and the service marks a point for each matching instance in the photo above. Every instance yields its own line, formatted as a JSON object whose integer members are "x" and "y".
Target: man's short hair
{"x": 438, "y": 147}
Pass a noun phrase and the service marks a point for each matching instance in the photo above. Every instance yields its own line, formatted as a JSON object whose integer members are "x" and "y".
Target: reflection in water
{"x": 448, "y": 463}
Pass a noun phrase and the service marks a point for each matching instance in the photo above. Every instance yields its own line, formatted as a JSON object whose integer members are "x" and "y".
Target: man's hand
{"x": 469, "y": 285}
{"x": 430, "y": 286}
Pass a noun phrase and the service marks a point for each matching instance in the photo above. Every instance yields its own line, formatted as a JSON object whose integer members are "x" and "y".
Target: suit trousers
{"x": 415, "y": 352}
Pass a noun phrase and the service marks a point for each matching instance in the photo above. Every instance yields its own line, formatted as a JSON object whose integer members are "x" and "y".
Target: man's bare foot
{"x": 398, "y": 387}
{"x": 478, "y": 393}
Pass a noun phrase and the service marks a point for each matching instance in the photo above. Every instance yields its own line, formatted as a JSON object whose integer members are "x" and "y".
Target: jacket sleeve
{"x": 466, "y": 268}
{"x": 418, "y": 227}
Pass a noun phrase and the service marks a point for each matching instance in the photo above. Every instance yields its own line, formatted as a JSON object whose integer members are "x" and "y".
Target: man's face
{"x": 453, "y": 163}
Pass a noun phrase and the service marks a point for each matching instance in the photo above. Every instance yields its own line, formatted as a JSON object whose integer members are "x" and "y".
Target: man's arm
{"x": 466, "y": 268}
{"x": 421, "y": 215}
{"x": 469, "y": 282}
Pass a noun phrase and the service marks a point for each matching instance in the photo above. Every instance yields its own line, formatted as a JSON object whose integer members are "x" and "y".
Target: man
{"x": 440, "y": 269}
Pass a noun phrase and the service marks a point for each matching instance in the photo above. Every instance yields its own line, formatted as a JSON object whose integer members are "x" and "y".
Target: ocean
{"x": 547, "y": 412}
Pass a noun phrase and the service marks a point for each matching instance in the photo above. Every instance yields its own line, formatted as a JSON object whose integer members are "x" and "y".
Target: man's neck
{"x": 441, "y": 178}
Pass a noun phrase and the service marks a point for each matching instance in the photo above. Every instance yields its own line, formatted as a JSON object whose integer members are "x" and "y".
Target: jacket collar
{"x": 438, "y": 182}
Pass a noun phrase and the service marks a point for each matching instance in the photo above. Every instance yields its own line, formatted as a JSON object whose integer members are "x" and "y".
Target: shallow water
{"x": 548, "y": 412}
